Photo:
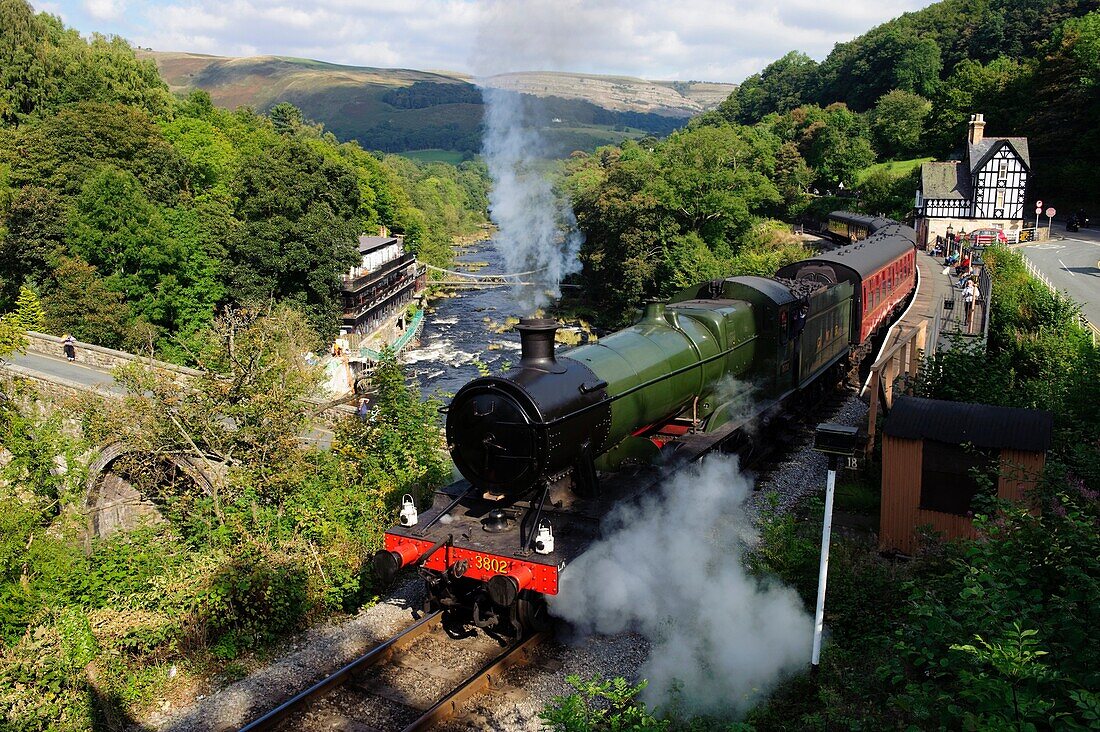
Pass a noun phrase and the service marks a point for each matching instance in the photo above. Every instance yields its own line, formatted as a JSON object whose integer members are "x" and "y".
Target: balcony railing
{"x": 354, "y": 284}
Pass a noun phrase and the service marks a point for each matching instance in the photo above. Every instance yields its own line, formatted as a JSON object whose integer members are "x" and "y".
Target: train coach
{"x": 846, "y": 227}
{"x": 544, "y": 448}
{"x": 881, "y": 268}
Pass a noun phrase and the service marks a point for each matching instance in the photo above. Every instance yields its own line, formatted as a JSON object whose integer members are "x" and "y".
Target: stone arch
{"x": 113, "y": 504}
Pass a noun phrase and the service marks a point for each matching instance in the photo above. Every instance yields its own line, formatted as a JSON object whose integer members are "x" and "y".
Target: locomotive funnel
{"x": 536, "y": 337}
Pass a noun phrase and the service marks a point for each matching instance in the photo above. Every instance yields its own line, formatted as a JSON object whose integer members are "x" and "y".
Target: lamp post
{"x": 836, "y": 441}
{"x": 950, "y": 239}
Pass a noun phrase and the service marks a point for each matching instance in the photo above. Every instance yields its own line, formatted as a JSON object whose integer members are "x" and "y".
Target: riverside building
{"x": 376, "y": 292}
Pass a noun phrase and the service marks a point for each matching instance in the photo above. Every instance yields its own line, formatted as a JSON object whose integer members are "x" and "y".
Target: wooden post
{"x": 905, "y": 362}
{"x": 919, "y": 338}
{"x": 872, "y": 411}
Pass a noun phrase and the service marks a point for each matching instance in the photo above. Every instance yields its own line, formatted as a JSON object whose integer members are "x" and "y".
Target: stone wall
{"x": 108, "y": 358}
{"x": 98, "y": 356}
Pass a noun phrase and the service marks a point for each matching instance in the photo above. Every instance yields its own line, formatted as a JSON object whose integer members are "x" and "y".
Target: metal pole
{"x": 823, "y": 569}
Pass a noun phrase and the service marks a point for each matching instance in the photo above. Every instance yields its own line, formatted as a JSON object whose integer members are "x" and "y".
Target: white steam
{"x": 671, "y": 569}
{"x": 537, "y": 231}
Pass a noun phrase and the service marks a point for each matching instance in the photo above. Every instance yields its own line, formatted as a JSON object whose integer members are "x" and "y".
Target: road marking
{"x": 1071, "y": 274}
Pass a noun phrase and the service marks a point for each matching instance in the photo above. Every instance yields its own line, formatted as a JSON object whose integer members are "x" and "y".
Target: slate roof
{"x": 368, "y": 244}
{"x": 945, "y": 180}
{"x": 914, "y": 418}
{"x": 980, "y": 153}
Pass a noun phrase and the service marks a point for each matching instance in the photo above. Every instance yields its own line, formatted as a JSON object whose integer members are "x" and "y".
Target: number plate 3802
{"x": 496, "y": 565}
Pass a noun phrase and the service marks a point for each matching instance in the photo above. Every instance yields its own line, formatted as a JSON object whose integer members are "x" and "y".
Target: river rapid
{"x": 457, "y": 330}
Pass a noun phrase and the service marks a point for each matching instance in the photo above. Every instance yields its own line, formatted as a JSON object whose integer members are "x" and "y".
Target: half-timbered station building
{"x": 384, "y": 282}
{"x": 985, "y": 190}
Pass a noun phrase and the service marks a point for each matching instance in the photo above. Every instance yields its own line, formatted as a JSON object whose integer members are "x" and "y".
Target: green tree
{"x": 24, "y": 72}
{"x": 287, "y": 118}
{"x": 833, "y": 141}
{"x": 789, "y": 82}
{"x": 28, "y": 314}
{"x": 35, "y": 232}
{"x": 63, "y": 150}
{"x": 298, "y": 212}
{"x": 897, "y": 123}
{"x": 884, "y": 194}
{"x": 80, "y": 302}
{"x": 398, "y": 448}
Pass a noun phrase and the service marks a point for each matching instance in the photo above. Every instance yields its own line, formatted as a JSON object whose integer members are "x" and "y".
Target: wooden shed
{"x": 930, "y": 450}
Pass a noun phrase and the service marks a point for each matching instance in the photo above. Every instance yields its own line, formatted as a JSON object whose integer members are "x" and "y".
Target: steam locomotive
{"x": 546, "y": 448}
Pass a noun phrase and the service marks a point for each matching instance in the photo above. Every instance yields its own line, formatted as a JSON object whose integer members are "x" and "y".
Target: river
{"x": 456, "y": 333}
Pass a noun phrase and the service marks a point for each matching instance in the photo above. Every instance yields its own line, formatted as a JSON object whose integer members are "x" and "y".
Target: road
{"x": 315, "y": 435}
{"x": 1073, "y": 265}
{"x": 76, "y": 372}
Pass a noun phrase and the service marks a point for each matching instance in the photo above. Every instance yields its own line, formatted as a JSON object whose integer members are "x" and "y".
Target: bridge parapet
{"x": 100, "y": 357}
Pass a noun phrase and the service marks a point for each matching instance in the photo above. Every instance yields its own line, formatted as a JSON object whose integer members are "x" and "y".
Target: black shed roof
{"x": 914, "y": 418}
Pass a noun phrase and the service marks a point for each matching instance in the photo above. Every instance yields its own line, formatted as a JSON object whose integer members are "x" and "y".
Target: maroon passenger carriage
{"x": 881, "y": 268}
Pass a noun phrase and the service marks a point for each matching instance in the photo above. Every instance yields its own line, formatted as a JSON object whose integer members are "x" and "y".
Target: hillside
{"x": 1032, "y": 68}
{"x": 398, "y": 110}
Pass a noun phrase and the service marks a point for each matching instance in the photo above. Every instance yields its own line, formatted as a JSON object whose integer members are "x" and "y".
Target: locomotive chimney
{"x": 536, "y": 337}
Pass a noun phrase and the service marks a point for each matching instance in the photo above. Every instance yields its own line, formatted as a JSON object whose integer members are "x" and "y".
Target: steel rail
{"x": 379, "y": 654}
{"x": 518, "y": 653}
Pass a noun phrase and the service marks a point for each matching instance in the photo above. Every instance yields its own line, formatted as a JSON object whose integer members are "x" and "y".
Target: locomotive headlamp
{"x": 544, "y": 541}
{"x": 408, "y": 515}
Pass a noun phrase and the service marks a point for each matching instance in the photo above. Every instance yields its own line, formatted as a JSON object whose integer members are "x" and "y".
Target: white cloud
{"x": 718, "y": 40}
{"x": 105, "y": 9}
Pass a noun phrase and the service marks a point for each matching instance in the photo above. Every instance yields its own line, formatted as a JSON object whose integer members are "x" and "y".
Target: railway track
{"x": 415, "y": 680}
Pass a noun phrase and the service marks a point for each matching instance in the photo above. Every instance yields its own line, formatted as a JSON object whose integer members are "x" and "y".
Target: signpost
{"x": 1050, "y": 216}
{"x": 836, "y": 441}
{"x": 1038, "y": 210}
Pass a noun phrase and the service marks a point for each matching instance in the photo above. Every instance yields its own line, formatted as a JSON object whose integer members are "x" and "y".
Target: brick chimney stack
{"x": 977, "y": 129}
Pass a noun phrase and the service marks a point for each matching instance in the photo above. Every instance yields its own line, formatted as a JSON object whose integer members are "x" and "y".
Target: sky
{"x": 706, "y": 40}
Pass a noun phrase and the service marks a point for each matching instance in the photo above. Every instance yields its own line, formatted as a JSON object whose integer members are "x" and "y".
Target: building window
{"x": 1002, "y": 170}
{"x": 1000, "y": 198}
{"x": 950, "y": 476}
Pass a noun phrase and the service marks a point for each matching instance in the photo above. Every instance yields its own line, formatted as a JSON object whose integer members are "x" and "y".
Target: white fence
{"x": 1034, "y": 272}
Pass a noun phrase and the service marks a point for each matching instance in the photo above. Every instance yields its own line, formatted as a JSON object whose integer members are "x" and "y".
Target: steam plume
{"x": 670, "y": 568}
{"x": 537, "y": 230}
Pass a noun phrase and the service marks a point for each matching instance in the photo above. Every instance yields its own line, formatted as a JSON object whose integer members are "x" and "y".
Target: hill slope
{"x": 402, "y": 109}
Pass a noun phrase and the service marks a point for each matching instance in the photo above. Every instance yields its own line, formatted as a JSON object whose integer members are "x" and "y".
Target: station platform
{"x": 935, "y": 320}
{"x": 939, "y": 305}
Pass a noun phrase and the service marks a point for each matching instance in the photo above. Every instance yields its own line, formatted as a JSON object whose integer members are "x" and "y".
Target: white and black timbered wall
{"x": 999, "y": 187}
{"x": 939, "y": 208}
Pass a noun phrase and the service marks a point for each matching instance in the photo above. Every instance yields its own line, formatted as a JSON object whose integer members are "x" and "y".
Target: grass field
{"x": 895, "y": 168}
{"x": 453, "y": 157}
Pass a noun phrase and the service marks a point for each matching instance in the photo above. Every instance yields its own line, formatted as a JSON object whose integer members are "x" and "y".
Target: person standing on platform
{"x": 970, "y": 296}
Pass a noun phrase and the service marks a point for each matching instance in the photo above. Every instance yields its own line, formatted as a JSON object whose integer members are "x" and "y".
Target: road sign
{"x": 1038, "y": 204}
{"x": 1038, "y": 210}
{"x": 1050, "y": 212}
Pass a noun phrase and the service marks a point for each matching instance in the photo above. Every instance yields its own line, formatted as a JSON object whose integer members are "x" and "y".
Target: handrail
{"x": 411, "y": 332}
